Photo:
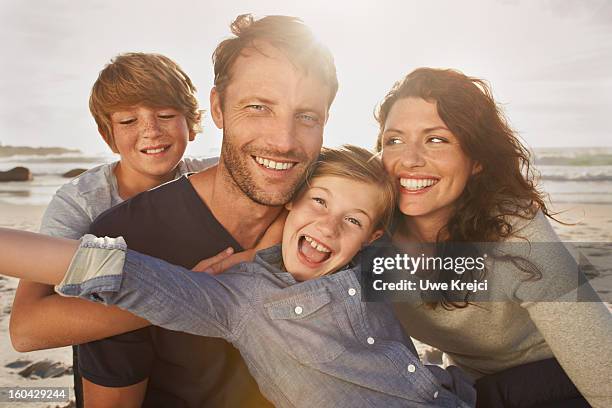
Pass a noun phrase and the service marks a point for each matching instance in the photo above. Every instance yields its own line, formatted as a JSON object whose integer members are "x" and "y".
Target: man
{"x": 274, "y": 85}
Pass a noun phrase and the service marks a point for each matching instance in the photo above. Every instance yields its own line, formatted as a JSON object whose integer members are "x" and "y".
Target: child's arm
{"x": 42, "y": 319}
{"x": 169, "y": 296}
{"x": 199, "y": 304}
{"x": 35, "y": 257}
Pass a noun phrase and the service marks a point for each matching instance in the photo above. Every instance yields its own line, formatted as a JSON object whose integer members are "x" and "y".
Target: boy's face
{"x": 328, "y": 224}
{"x": 150, "y": 140}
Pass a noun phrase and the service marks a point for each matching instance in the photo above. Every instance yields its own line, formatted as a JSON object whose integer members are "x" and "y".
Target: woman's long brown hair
{"x": 506, "y": 186}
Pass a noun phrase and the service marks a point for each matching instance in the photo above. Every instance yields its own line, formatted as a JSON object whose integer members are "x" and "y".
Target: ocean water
{"x": 568, "y": 175}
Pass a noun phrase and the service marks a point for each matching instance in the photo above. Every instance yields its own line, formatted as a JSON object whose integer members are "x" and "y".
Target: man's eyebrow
{"x": 254, "y": 98}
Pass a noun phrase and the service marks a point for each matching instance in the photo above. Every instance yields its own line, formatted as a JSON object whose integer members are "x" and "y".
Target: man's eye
{"x": 258, "y": 108}
{"x": 319, "y": 201}
{"x": 308, "y": 118}
{"x": 354, "y": 221}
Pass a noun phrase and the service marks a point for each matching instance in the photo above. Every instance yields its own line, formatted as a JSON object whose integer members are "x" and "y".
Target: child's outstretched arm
{"x": 35, "y": 257}
{"x": 170, "y": 296}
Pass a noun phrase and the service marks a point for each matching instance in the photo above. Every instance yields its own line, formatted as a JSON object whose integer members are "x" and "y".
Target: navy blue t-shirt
{"x": 170, "y": 222}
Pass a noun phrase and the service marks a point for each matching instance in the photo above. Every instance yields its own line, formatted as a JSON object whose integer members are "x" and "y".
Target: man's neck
{"x": 243, "y": 218}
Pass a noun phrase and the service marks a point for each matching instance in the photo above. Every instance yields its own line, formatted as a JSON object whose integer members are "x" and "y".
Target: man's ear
{"x": 216, "y": 111}
{"x": 108, "y": 140}
{"x": 476, "y": 168}
{"x": 375, "y": 235}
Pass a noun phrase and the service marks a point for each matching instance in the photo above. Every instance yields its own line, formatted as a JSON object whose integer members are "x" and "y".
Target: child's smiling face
{"x": 328, "y": 224}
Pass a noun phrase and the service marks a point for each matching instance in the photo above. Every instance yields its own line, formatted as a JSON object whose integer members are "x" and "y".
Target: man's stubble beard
{"x": 237, "y": 166}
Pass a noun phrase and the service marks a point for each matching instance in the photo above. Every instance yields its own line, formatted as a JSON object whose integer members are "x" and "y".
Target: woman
{"x": 464, "y": 177}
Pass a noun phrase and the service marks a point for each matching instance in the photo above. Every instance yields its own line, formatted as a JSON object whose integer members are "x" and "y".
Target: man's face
{"x": 272, "y": 115}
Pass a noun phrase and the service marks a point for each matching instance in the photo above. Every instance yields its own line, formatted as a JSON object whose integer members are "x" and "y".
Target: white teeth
{"x": 416, "y": 184}
{"x": 271, "y": 164}
{"x": 153, "y": 151}
{"x": 316, "y": 245}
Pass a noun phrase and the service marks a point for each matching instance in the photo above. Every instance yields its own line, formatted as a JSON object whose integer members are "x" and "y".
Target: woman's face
{"x": 425, "y": 158}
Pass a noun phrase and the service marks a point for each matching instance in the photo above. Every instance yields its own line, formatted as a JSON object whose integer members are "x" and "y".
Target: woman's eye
{"x": 393, "y": 141}
{"x": 354, "y": 221}
{"x": 319, "y": 201}
{"x": 437, "y": 139}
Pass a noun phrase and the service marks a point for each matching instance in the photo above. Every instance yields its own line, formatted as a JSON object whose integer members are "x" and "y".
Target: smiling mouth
{"x": 155, "y": 149}
{"x": 313, "y": 251}
{"x": 412, "y": 184}
{"x": 273, "y": 164}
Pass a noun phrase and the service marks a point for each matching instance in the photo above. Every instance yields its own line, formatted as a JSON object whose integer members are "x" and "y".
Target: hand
{"x": 223, "y": 261}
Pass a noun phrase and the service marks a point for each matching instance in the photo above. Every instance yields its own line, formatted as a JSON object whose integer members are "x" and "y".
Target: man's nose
{"x": 282, "y": 137}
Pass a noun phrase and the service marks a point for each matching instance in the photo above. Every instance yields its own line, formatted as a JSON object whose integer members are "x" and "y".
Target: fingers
{"x": 228, "y": 262}
{"x": 205, "y": 264}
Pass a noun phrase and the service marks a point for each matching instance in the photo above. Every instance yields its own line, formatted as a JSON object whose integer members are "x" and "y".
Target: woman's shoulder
{"x": 532, "y": 227}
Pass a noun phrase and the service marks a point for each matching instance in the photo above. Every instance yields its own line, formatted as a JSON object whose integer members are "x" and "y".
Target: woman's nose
{"x": 412, "y": 155}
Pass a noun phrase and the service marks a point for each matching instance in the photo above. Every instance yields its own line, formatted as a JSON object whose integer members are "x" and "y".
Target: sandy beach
{"x": 591, "y": 224}
{"x": 45, "y": 362}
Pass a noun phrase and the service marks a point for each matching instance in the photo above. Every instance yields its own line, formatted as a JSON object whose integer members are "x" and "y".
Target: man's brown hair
{"x": 288, "y": 34}
{"x": 151, "y": 79}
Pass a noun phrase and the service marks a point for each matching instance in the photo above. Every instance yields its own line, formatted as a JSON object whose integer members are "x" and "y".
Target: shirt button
{"x": 298, "y": 310}
{"x": 411, "y": 368}
{"x": 370, "y": 340}
{"x": 352, "y": 292}
{"x": 436, "y": 394}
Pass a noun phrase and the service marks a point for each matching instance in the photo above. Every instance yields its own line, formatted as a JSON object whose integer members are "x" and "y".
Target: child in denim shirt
{"x": 308, "y": 342}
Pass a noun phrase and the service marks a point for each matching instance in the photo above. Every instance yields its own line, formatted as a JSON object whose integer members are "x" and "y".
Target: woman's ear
{"x": 375, "y": 235}
{"x": 476, "y": 168}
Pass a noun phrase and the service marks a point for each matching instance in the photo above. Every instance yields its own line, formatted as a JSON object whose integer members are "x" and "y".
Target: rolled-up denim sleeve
{"x": 104, "y": 270}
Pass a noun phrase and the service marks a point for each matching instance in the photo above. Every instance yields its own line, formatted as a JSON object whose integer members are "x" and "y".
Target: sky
{"x": 549, "y": 62}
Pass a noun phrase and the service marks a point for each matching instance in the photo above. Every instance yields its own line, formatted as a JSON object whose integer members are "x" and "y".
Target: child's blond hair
{"x": 151, "y": 79}
{"x": 358, "y": 164}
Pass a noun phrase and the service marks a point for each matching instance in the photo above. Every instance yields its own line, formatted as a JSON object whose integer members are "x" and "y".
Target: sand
{"x": 592, "y": 223}
{"x": 26, "y": 217}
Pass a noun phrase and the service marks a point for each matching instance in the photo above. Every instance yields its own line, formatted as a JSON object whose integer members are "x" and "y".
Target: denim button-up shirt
{"x": 310, "y": 344}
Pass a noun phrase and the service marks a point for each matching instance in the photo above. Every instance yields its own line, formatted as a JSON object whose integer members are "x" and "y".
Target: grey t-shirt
{"x": 77, "y": 203}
